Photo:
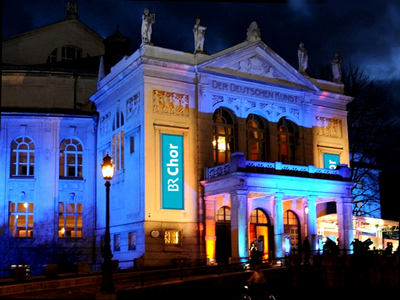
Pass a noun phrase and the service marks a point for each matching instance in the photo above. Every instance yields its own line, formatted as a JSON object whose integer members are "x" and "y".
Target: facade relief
{"x": 170, "y": 103}
{"x": 105, "y": 122}
{"x": 329, "y": 127}
{"x": 133, "y": 106}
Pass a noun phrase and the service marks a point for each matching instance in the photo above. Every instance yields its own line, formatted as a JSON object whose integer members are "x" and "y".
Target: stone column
{"x": 278, "y": 224}
{"x": 344, "y": 208}
{"x": 239, "y": 226}
{"x": 210, "y": 236}
{"x": 312, "y": 223}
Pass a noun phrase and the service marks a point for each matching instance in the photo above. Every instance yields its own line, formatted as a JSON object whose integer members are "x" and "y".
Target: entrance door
{"x": 260, "y": 226}
{"x": 223, "y": 234}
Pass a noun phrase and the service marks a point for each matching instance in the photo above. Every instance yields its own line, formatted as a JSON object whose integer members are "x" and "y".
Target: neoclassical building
{"x": 210, "y": 150}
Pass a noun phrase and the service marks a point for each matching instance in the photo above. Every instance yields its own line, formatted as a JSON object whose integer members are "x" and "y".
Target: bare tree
{"x": 371, "y": 129}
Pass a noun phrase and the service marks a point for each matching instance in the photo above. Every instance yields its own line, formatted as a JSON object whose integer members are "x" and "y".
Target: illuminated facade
{"x": 210, "y": 151}
{"x": 213, "y": 150}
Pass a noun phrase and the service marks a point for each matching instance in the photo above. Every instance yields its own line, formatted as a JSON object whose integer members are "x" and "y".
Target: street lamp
{"x": 107, "y": 284}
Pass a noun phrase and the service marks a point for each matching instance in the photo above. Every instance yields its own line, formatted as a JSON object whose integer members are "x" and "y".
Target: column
{"x": 210, "y": 236}
{"x": 278, "y": 224}
{"x": 239, "y": 226}
{"x": 344, "y": 208}
{"x": 312, "y": 223}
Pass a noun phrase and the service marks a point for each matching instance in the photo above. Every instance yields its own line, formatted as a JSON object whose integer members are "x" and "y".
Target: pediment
{"x": 255, "y": 60}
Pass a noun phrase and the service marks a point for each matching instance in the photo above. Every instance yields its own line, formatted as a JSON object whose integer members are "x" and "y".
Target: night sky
{"x": 366, "y": 33}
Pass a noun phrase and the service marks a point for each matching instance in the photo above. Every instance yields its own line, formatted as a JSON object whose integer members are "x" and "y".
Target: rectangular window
{"x": 70, "y": 220}
{"x": 132, "y": 144}
{"x": 173, "y": 237}
{"x": 117, "y": 242}
{"x": 21, "y": 219}
{"x": 132, "y": 240}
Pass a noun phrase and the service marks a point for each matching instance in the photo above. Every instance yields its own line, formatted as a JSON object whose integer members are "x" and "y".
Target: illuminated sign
{"x": 331, "y": 161}
{"x": 172, "y": 171}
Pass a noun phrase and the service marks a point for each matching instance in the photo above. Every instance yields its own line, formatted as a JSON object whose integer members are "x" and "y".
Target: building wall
{"x": 22, "y": 49}
{"x": 45, "y": 189}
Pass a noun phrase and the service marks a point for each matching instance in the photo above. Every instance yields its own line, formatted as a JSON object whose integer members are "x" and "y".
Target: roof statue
{"x": 253, "y": 32}
{"x": 199, "y": 37}
{"x": 72, "y": 11}
{"x": 302, "y": 55}
{"x": 337, "y": 68}
{"x": 148, "y": 20}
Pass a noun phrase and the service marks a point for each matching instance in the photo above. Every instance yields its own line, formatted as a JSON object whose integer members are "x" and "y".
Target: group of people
{"x": 257, "y": 250}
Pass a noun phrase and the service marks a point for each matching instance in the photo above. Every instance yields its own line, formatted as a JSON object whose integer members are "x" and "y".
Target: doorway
{"x": 223, "y": 234}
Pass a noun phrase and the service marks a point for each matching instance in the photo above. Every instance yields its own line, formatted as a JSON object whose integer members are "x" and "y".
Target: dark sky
{"x": 366, "y": 33}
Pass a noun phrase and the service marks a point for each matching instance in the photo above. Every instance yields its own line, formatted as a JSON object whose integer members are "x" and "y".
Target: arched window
{"x": 286, "y": 141}
{"x": 71, "y": 158}
{"x": 292, "y": 227}
{"x": 223, "y": 214}
{"x": 70, "y": 53}
{"x": 117, "y": 142}
{"x": 223, "y": 136}
{"x": 22, "y": 157}
{"x": 257, "y": 138}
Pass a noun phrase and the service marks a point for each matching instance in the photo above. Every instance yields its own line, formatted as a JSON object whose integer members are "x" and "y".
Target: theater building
{"x": 211, "y": 151}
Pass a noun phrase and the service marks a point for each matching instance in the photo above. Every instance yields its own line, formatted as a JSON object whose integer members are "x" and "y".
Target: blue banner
{"x": 172, "y": 184}
{"x": 331, "y": 161}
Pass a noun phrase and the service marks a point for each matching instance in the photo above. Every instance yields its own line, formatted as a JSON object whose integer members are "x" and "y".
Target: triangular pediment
{"x": 255, "y": 60}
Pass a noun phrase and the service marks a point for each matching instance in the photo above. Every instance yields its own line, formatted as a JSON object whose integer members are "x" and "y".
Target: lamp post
{"x": 107, "y": 284}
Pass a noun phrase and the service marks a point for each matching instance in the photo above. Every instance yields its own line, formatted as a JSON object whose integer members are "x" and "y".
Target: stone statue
{"x": 72, "y": 11}
{"x": 302, "y": 54}
{"x": 337, "y": 68}
{"x": 253, "y": 32}
{"x": 148, "y": 20}
{"x": 199, "y": 36}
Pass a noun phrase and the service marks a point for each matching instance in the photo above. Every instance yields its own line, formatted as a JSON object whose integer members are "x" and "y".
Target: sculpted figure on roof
{"x": 148, "y": 20}
{"x": 253, "y": 32}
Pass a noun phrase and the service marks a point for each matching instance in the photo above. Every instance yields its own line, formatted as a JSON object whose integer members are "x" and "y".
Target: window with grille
{"x": 21, "y": 219}
{"x": 173, "y": 237}
{"x": 117, "y": 142}
{"x": 286, "y": 142}
{"x": 223, "y": 136}
{"x": 71, "y": 158}
{"x": 22, "y": 157}
{"x": 70, "y": 53}
{"x": 257, "y": 138}
{"x": 70, "y": 217}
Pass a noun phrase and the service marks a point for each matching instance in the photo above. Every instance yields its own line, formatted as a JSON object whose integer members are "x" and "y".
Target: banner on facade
{"x": 331, "y": 161}
{"x": 172, "y": 185}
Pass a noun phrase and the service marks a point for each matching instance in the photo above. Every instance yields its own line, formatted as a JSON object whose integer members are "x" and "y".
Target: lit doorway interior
{"x": 260, "y": 225}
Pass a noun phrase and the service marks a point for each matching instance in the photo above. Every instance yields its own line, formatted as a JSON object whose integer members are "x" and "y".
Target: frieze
{"x": 254, "y": 92}
{"x": 330, "y": 127}
{"x": 133, "y": 106}
{"x": 272, "y": 109}
{"x": 170, "y": 103}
